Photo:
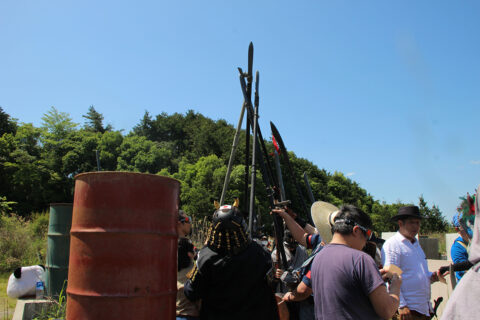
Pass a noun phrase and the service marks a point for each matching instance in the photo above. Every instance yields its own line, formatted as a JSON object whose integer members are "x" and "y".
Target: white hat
{"x": 323, "y": 214}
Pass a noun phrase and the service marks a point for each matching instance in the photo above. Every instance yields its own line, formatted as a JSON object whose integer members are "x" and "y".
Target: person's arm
{"x": 301, "y": 292}
{"x": 310, "y": 229}
{"x": 392, "y": 256}
{"x": 194, "y": 286}
{"x": 297, "y": 232}
{"x": 386, "y": 302}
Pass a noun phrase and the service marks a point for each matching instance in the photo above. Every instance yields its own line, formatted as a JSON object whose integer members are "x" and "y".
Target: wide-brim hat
{"x": 407, "y": 212}
{"x": 323, "y": 214}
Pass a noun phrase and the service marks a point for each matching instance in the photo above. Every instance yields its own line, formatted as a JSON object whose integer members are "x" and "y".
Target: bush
{"x": 22, "y": 241}
{"x": 39, "y": 229}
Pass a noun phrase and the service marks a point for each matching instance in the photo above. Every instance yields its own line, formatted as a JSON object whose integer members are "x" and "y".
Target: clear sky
{"x": 386, "y": 92}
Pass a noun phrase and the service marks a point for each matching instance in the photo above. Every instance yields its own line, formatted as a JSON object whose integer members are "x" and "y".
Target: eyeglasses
{"x": 368, "y": 233}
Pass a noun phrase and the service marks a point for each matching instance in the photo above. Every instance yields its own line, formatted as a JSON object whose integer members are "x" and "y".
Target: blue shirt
{"x": 459, "y": 253}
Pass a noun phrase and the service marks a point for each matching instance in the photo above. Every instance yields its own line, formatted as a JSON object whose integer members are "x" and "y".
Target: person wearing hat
{"x": 230, "y": 273}
{"x": 463, "y": 303}
{"x": 346, "y": 282}
{"x": 404, "y": 251}
{"x": 459, "y": 252}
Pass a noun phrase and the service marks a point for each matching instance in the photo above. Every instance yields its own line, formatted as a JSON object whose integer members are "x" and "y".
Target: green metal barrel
{"x": 58, "y": 249}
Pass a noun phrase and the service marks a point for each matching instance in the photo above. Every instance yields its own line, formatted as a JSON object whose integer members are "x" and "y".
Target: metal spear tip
{"x": 272, "y": 126}
{"x": 250, "y": 58}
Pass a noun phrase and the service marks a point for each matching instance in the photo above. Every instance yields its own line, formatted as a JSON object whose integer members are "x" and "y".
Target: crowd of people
{"x": 336, "y": 272}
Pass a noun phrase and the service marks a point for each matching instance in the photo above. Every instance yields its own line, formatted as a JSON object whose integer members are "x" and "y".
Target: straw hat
{"x": 323, "y": 214}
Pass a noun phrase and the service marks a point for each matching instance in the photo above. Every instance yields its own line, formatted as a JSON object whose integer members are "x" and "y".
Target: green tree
{"x": 81, "y": 155}
{"x": 95, "y": 121}
{"x": 109, "y": 147}
{"x": 25, "y": 173}
{"x": 142, "y": 155}
{"x": 434, "y": 220}
{"x": 7, "y": 124}
{"x": 201, "y": 184}
{"x": 58, "y": 139}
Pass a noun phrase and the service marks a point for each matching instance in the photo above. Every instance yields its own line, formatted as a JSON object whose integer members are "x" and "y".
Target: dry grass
{"x": 199, "y": 232}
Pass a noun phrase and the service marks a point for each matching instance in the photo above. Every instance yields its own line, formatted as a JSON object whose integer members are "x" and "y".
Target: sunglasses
{"x": 368, "y": 233}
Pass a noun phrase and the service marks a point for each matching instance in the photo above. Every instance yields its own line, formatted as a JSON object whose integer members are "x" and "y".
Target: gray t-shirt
{"x": 342, "y": 280}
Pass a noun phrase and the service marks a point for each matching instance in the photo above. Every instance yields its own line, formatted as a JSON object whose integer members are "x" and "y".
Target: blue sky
{"x": 385, "y": 92}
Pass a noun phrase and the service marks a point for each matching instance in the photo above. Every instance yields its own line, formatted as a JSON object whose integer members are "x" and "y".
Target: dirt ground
{"x": 440, "y": 289}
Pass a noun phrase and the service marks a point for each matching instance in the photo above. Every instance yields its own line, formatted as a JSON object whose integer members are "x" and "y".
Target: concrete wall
{"x": 387, "y": 235}
{"x": 449, "y": 239}
{"x": 429, "y": 245}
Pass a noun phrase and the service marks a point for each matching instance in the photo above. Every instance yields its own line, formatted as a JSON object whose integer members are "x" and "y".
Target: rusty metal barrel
{"x": 58, "y": 247}
{"x": 123, "y": 247}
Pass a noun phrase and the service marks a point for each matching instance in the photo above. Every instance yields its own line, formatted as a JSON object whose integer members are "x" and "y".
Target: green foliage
{"x": 16, "y": 248}
{"x": 7, "y": 304}
{"x": 141, "y": 155}
{"x": 109, "y": 146}
{"x": 22, "y": 242}
{"x": 95, "y": 121}
{"x": 5, "y": 206}
{"x": 38, "y": 165}
{"x": 201, "y": 183}
{"x": 7, "y": 124}
{"x": 39, "y": 225}
{"x": 56, "y": 309}
{"x": 434, "y": 220}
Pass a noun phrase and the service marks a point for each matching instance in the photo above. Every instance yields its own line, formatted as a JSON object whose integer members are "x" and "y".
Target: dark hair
{"x": 184, "y": 247}
{"x": 350, "y": 215}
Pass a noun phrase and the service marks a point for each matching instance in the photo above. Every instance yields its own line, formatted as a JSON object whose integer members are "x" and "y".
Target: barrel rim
{"x": 58, "y": 204}
{"x": 81, "y": 175}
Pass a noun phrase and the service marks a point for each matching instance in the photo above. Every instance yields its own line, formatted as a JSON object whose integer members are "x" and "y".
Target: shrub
{"x": 16, "y": 243}
{"x": 22, "y": 242}
{"x": 38, "y": 228}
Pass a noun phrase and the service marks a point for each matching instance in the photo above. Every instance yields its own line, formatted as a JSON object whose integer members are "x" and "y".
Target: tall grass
{"x": 7, "y": 305}
{"x": 199, "y": 232}
{"x": 22, "y": 242}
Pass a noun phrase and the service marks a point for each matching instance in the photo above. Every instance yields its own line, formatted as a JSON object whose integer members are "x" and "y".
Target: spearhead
{"x": 250, "y": 59}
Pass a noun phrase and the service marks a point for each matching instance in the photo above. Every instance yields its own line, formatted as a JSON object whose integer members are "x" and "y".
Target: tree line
{"x": 38, "y": 165}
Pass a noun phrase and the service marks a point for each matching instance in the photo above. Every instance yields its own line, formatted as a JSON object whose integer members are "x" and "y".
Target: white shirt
{"x": 415, "y": 290}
